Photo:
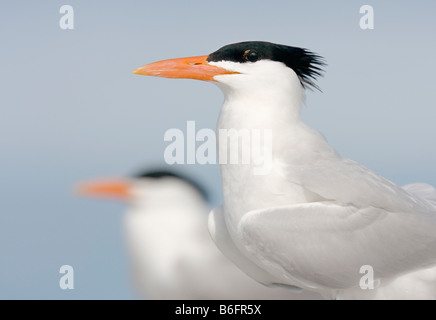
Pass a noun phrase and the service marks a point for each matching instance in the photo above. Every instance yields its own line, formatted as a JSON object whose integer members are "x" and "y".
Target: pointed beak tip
{"x": 115, "y": 189}
{"x": 137, "y": 71}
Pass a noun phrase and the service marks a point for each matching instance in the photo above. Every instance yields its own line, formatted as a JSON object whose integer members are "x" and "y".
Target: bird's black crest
{"x": 306, "y": 64}
{"x": 158, "y": 174}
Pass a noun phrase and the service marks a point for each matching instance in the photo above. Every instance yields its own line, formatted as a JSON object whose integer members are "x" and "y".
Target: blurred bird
{"x": 314, "y": 219}
{"x": 172, "y": 254}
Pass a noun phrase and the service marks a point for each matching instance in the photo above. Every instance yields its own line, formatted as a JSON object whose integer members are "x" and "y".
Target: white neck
{"x": 271, "y": 96}
{"x": 269, "y": 101}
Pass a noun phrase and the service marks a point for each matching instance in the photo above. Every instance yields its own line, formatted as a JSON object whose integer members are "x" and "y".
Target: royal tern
{"x": 315, "y": 219}
{"x": 172, "y": 254}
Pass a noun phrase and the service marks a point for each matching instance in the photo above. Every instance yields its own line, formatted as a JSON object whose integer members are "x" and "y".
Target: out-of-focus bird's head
{"x": 146, "y": 188}
{"x": 251, "y": 65}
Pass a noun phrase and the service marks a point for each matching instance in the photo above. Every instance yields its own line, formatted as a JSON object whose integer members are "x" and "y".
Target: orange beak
{"x": 115, "y": 189}
{"x": 183, "y": 68}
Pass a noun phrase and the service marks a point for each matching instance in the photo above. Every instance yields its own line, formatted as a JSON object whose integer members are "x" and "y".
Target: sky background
{"x": 71, "y": 110}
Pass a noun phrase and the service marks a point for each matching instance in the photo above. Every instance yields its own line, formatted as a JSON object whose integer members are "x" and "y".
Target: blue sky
{"x": 72, "y": 110}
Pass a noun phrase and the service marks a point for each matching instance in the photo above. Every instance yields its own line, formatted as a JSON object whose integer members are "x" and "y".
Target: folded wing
{"x": 324, "y": 245}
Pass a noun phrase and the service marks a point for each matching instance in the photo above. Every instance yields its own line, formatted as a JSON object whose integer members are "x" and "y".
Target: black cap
{"x": 159, "y": 174}
{"x": 306, "y": 64}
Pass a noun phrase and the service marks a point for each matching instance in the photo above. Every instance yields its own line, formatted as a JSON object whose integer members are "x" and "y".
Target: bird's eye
{"x": 251, "y": 56}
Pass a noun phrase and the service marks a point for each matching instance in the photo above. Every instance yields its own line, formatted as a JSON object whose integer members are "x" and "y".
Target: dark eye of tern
{"x": 251, "y": 56}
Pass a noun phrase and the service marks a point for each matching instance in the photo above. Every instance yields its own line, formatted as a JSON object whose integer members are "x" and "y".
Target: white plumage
{"x": 172, "y": 255}
{"x": 314, "y": 219}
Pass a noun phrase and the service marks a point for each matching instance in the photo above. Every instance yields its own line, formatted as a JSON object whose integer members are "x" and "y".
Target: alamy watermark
{"x": 66, "y": 22}
{"x": 67, "y": 280}
{"x": 367, "y": 281}
{"x": 235, "y": 146}
{"x": 366, "y": 22}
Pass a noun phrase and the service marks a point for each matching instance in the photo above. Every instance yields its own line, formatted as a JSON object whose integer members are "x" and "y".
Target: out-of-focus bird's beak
{"x": 183, "y": 68}
{"x": 116, "y": 189}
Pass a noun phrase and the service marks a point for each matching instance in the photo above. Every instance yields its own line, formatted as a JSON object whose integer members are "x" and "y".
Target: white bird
{"x": 171, "y": 252}
{"x": 315, "y": 219}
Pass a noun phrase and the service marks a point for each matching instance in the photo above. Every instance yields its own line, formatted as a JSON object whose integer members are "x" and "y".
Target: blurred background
{"x": 71, "y": 110}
